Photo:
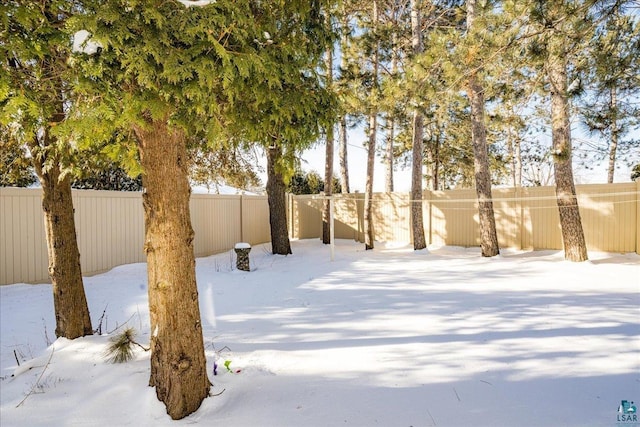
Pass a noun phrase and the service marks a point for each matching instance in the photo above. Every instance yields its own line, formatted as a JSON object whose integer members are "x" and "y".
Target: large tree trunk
{"x": 69, "y": 300}
{"x": 371, "y": 150}
{"x": 575, "y": 248}
{"x": 417, "y": 226}
{"x": 178, "y": 363}
{"x": 488, "y": 234}
{"x": 280, "y": 244}
{"x": 328, "y": 164}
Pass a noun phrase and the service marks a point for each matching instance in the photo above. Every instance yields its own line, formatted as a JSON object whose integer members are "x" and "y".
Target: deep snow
{"x": 389, "y": 337}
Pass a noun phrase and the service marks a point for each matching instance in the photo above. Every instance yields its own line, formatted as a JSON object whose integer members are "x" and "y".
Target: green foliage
{"x": 120, "y": 348}
{"x": 15, "y": 168}
{"x": 35, "y": 97}
{"x": 309, "y": 183}
{"x": 612, "y": 81}
{"x": 231, "y": 165}
{"x": 635, "y": 173}
{"x": 239, "y": 71}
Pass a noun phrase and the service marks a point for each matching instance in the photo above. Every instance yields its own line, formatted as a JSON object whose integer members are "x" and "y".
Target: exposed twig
{"x": 38, "y": 380}
{"x": 99, "y": 328}
{"x": 217, "y": 394}
{"x": 118, "y": 327}
{"x": 431, "y": 416}
{"x": 16, "y": 356}
{"x": 46, "y": 335}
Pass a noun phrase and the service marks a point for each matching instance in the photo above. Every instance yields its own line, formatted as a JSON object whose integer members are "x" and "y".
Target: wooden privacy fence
{"x": 526, "y": 218}
{"x": 110, "y": 229}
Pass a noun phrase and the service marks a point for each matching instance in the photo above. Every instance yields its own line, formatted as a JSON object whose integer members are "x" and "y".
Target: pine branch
{"x": 120, "y": 349}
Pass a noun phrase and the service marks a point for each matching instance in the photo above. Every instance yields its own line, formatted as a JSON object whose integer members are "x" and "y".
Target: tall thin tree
{"x": 557, "y": 18}
{"x": 417, "y": 226}
{"x": 372, "y": 133}
{"x": 488, "y": 234}
{"x": 328, "y": 162}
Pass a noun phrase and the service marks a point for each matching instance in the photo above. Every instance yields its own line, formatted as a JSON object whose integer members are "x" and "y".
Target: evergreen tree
{"x": 557, "y": 27}
{"x": 287, "y": 103}
{"x": 328, "y": 168}
{"x": 167, "y": 72}
{"x": 614, "y": 65}
{"x": 36, "y": 99}
{"x": 475, "y": 91}
{"x": 417, "y": 226}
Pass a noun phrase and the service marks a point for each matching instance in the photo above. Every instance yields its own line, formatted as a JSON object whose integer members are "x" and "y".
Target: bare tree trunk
{"x": 328, "y": 163}
{"x": 178, "y": 363}
{"x": 417, "y": 225}
{"x": 343, "y": 139}
{"x": 391, "y": 122}
{"x": 517, "y": 162}
{"x": 488, "y": 234}
{"x": 614, "y": 137}
{"x": 342, "y": 154}
{"x": 575, "y": 248}
{"x": 371, "y": 151}
{"x": 69, "y": 299}
{"x": 280, "y": 244}
{"x": 368, "y": 198}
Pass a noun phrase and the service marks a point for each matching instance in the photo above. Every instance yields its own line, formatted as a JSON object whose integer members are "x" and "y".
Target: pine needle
{"x": 120, "y": 349}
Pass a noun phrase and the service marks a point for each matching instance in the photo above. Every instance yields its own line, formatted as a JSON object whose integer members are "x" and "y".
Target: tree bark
{"x": 488, "y": 234}
{"x": 178, "y": 363}
{"x": 371, "y": 149}
{"x": 391, "y": 120}
{"x": 328, "y": 165}
{"x": 343, "y": 138}
{"x": 417, "y": 225}
{"x": 388, "y": 155}
{"x": 575, "y": 248}
{"x": 368, "y": 198}
{"x": 342, "y": 156}
{"x": 614, "y": 135}
{"x": 280, "y": 244}
{"x": 69, "y": 299}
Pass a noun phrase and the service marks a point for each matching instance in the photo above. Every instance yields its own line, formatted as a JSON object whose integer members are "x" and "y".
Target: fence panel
{"x": 526, "y": 218}
{"x": 255, "y": 220}
{"x": 607, "y": 211}
{"x": 23, "y": 249}
{"x": 110, "y": 225}
{"x": 110, "y": 229}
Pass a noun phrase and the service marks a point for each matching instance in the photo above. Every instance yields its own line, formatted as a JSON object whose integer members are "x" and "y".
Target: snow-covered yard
{"x": 389, "y": 337}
